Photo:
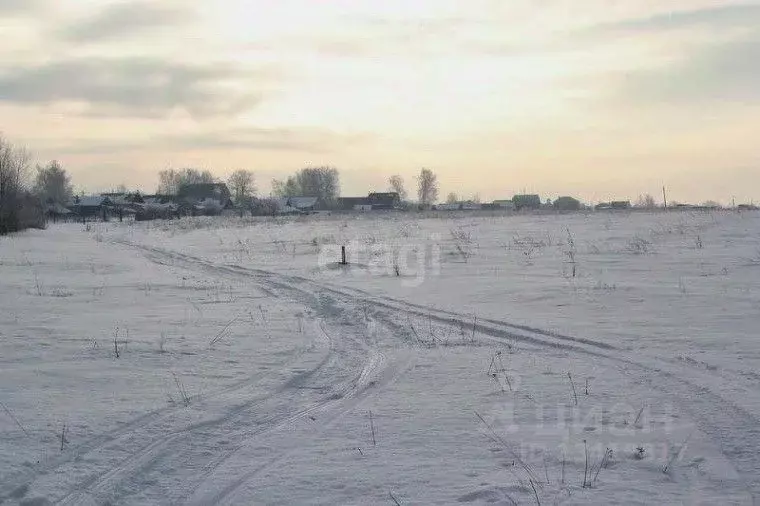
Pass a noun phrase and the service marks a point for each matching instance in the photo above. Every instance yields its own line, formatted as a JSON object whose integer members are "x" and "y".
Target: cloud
{"x": 124, "y": 19}
{"x": 307, "y": 140}
{"x": 133, "y": 87}
{"x": 8, "y": 7}
{"x": 273, "y": 139}
{"x": 711, "y": 17}
{"x": 719, "y": 73}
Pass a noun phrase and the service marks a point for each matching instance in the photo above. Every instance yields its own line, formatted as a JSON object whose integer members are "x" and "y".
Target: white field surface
{"x": 249, "y": 362}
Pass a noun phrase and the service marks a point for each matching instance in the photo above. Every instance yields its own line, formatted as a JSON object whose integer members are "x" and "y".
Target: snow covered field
{"x": 460, "y": 359}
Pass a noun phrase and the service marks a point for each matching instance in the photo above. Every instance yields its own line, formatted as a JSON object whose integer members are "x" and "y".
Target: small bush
{"x": 639, "y": 246}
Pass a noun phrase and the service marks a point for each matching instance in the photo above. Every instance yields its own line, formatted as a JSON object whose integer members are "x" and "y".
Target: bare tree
{"x": 427, "y": 187}
{"x": 18, "y": 209}
{"x": 287, "y": 188}
{"x": 320, "y": 182}
{"x": 53, "y": 184}
{"x": 452, "y": 198}
{"x": 646, "y": 202}
{"x": 242, "y": 186}
{"x": 396, "y": 184}
{"x": 170, "y": 181}
{"x": 265, "y": 207}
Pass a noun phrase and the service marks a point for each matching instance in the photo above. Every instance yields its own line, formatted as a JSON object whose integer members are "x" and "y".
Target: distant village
{"x": 214, "y": 199}
{"x": 31, "y": 199}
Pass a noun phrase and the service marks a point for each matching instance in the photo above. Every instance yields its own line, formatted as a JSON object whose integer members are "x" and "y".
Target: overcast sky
{"x": 595, "y": 98}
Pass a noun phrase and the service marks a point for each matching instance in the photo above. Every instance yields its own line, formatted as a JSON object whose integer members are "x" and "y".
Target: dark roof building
{"x": 567, "y": 204}
{"x": 384, "y": 200}
{"x": 291, "y": 205}
{"x": 353, "y": 203}
{"x": 373, "y": 201}
{"x": 202, "y": 192}
{"x": 91, "y": 206}
{"x": 617, "y": 204}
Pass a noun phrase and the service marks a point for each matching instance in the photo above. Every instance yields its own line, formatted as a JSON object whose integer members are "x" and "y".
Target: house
{"x": 526, "y": 202}
{"x": 124, "y": 199}
{"x": 567, "y": 204}
{"x": 375, "y": 201}
{"x": 471, "y": 206}
{"x": 57, "y": 212}
{"x": 503, "y": 204}
{"x": 620, "y": 204}
{"x": 92, "y": 206}
{"x": 297, "y": 205}
{"x": 747, "y": 207}
{"x": 614, "y": 205}
{"x": 451, "y": 206}
{"x": 355, "y": 204}
{"x": 198, "y": 193}
{"x": 125, "y": 204}
{"x": 384, "y": 200}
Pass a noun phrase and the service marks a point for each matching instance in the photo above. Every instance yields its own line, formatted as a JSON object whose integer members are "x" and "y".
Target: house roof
{"x": 384, "y": 199}
{"x": 202, "y": 191}
{"x": 93, "y": 201}
{"x": 124, "y": 199}
{"x": 297, "y": 202}
{"x": 384, "y": 196}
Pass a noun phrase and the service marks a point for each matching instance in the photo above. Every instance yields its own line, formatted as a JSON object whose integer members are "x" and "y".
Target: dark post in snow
{"x": 343, "y": 256}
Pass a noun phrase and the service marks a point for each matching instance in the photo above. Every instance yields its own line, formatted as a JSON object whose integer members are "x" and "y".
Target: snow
{"x": 493, "y": 353}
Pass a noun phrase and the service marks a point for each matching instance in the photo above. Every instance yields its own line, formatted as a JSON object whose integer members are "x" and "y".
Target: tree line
{"x": 320, "y": 182}
{"x": 23, "y": 197}
{"x": 26, "y": 194}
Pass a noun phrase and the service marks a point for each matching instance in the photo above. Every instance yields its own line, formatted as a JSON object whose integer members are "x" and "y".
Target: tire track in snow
{"x": 146, "y": 459}
{"x": 294, "y": 285}
{"x": 725, "y": 422}
{"x": 151, "y": 423}
{"x": 340, "y": 400}
{"x": 377, "y": 366}
{"x": 115, "y": 437}
{"x": 229, "y": 427}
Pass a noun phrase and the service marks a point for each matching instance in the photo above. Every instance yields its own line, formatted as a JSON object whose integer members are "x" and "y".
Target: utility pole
{"x": 664, "y": 197}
